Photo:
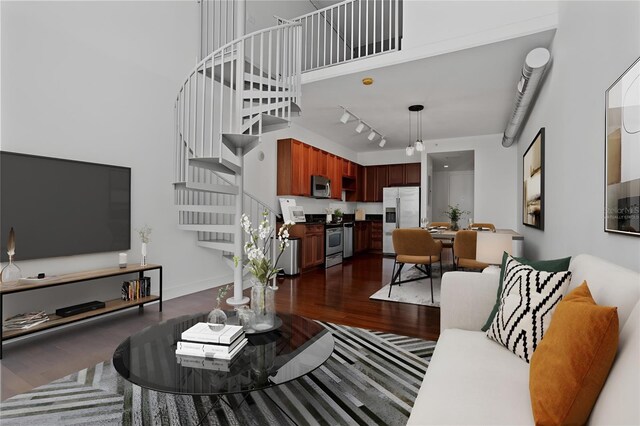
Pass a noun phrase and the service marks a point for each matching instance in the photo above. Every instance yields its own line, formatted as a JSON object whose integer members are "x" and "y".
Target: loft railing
{"x": 353, "y": 29}
{"x": 229, "y": 90}
{"x": 217, "y": 24}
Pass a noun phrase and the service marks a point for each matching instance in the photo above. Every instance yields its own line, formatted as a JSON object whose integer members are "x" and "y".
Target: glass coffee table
{"x": 148, "y": 358}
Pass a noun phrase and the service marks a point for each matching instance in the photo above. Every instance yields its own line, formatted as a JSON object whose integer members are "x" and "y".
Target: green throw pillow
{"x": 555, "y": 265}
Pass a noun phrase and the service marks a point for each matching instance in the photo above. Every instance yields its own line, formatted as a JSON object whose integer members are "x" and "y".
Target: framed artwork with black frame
{"x": 622, "y": 154}
{"x": 533, "y": 183}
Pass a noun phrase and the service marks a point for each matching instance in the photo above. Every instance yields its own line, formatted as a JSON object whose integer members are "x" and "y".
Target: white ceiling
{"x": 465, "y": 93}
{"x": 457, "y": 161}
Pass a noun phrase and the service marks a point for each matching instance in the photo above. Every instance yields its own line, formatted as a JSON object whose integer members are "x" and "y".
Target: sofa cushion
{"x": 473, "y": 380}
{"x": 527, "y": 303}
{"x": 618, "y": 400}
{"x": 571, "y": 363}
{"x": 554, "y": 265}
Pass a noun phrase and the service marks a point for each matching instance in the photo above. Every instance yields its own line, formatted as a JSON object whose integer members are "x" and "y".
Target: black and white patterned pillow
{"x": 527, "y": 302}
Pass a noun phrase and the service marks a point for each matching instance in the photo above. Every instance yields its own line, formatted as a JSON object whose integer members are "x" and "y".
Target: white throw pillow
{"x": 527, "y": 302}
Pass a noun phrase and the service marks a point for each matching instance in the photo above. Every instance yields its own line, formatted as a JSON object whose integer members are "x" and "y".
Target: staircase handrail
{"x": 221, "y": 49}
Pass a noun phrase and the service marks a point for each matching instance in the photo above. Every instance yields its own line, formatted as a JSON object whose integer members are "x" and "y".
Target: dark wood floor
{"x": 339, "y": 294}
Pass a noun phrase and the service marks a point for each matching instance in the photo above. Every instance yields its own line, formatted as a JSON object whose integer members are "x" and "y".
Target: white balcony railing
{"x": 353, "y": 29}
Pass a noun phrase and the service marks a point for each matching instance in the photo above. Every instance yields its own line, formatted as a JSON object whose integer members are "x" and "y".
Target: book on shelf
{"x": 204, "y": 363}
{"x": 136, "y": 289}
{"x": 211, "y": 347}
{"x": 213, "y": 355}
{"x": 201, "y": 332}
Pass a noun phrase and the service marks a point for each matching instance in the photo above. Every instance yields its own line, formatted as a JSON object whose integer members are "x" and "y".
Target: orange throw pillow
{"x": 573, "y": 359}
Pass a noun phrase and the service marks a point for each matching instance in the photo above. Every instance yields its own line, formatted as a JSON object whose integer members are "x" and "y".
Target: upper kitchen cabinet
{"x": 404, "y": 174}
{"x": 375, "y": 178}
{"x": 293, "y": 173}
{"x": 334, "y": 168}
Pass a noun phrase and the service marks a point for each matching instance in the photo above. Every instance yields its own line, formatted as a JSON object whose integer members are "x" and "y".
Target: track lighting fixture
{"x": 373, "y": 133}
{"x": 345, "y": 117}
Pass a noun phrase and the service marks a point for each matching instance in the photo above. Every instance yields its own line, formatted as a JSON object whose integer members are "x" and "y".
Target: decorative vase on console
{"x": 11, "y": 272}
{"x": 145, "y": 238}
{"x": 217, "y": 315}
{"x": 263, "y": 269}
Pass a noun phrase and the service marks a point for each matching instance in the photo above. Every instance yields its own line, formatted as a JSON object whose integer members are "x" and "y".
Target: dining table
{"x": 440, "y": 233}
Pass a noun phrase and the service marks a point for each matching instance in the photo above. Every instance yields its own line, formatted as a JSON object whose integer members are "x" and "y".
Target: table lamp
{"x": 491, "y": 245}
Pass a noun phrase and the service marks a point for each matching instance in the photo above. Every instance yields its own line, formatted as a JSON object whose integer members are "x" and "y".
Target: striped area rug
{"x": 371, "y": 378}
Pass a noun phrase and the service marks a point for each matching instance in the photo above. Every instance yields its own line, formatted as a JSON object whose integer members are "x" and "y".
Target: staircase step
{"x": 264, "y": 107}
{"x": 270, "y": 123}
{"x": 265, "y": 94}
{"x": 223, "y": 245}
{"x": 216, "y": 164}
{"x": 207, "y": 187}
{"x": 263, "y": 81}
{"x": 206, "y": 209}
{"x": 226, "y": 229}
{"x": 234, "y": 140}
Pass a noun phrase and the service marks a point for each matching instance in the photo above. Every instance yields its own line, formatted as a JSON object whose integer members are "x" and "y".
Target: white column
{"x": 238, "y": 249}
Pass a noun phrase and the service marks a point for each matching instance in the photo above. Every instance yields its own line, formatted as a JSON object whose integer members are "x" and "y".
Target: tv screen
{"x": 62, "y": 207}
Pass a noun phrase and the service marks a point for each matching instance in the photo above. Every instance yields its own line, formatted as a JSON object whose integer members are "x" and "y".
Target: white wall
{"x": 452, "y": 188}
{"x": 96, "y": 81}
{"x": 495, "y": 180}
{"x": 595, "y": 43}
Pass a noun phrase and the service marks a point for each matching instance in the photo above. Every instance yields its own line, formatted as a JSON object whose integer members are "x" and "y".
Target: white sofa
{"x": 473, "y": 380}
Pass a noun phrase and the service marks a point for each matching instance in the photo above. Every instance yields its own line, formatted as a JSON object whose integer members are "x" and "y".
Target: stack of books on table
{"x": 204, "y": 342}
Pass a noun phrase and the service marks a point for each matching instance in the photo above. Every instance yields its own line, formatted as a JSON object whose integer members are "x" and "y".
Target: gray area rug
{"x": 414, "y": 292}
{"x": 371, "y": 378}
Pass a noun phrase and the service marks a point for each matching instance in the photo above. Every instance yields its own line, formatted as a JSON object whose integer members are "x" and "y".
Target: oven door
{"x": 333, "y": 241}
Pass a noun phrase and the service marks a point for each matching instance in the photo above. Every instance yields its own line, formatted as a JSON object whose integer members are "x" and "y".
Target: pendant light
{"x": 418, "y": 145}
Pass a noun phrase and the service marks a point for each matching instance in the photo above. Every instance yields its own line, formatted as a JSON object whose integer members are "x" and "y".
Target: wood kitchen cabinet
{"x": 376, "y": 236}
{"x": 334, "y": 164}
{"x": 311, "y": 244}
{"x": 404, "y": 174}
{"x": 376, "y": 178}
{"x": 293, "y": 168}
{"x": 361, "y": 236}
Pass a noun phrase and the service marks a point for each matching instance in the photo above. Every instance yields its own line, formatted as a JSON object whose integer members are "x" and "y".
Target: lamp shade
{"x": 491, "y": 245}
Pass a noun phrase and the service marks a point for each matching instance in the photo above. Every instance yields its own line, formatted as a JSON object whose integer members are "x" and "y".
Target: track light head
{"x": 372, "y": 135}
{"x": 345, "y": 117}
{"x": 360, "y": 127}
{"x": 382, "y": 142}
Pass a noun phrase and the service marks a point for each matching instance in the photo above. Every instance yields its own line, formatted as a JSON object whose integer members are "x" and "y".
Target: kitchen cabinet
{"x": 334, "y": 164}
{"x": 348, "y": 168}
{"x": 293, "y": 177}
{"x": 375, "y": 179}
{"x": 361, "y": 236}
{"x": 404, "y": 174}
{"x": 376, "y": 236}
{"x": 312, "y": 243}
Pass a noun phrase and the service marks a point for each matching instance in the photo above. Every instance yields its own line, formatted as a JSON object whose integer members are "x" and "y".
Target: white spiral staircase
{"x": 250, "y": 86}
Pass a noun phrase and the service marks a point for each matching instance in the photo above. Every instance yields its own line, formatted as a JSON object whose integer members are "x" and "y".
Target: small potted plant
{"x": 338, "y": 214}
{"x": 455, "y": 214}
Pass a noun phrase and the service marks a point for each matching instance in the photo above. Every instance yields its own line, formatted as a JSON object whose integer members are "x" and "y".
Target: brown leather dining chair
{"x": 446, "y": 244}
{"x": 464, "y": 246}
{"x": 491, "y": 226}
{"x": 414, "y": 246}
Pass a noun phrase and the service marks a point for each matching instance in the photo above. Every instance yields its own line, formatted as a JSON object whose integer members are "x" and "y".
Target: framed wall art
{"x": 533, "y": 183}
{"x": 622, "y": 154}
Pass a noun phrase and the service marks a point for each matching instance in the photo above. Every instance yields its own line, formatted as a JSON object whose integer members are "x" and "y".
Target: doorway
{"x": 452, "y": 183}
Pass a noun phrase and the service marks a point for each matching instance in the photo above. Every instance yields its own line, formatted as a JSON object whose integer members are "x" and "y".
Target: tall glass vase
{"x": 10, "y": 272}
{"x": 263, "y": 304}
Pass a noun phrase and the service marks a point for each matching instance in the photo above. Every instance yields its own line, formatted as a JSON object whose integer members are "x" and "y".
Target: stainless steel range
{"x": 333, "y": 240}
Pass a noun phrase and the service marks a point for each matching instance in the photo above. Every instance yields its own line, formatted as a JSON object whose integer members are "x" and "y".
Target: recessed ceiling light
{"x": 367, "y": 81}
{"x": 446, "y": 166}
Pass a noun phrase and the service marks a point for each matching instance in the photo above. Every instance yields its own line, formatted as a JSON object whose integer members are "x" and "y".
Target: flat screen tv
{"x": 61, "y": 207}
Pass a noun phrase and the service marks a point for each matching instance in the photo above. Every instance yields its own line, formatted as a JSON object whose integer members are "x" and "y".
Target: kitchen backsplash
{"x": 319, "y": 206}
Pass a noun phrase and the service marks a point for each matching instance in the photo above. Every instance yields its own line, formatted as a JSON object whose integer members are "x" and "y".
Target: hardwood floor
{"x": 339, "y": 294}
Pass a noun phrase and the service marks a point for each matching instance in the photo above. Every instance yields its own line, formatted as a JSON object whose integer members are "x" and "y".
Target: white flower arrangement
{"x": 145, "y": 233}
{"x": 258, "y": 245}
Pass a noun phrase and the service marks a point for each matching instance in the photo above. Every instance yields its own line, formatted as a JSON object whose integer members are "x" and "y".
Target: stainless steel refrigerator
{"x": 401, "y": 209}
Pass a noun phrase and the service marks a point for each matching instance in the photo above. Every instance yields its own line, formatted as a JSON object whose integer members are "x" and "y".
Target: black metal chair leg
{"x": 396, "y": 276}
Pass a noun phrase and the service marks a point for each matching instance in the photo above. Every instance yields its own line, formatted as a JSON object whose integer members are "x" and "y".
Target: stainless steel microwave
{"x": 320, "y": 187}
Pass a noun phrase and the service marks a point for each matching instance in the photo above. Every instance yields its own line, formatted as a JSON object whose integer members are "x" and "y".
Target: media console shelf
{"x": 55, "y": 320}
